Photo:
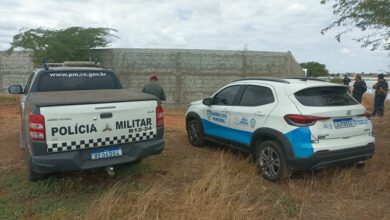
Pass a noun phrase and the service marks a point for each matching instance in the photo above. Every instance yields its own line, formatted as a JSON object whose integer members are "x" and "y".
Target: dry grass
{"x": 216, "y": 183}
{"x": 226, "y": 186}
{"x": 228, "y": 189}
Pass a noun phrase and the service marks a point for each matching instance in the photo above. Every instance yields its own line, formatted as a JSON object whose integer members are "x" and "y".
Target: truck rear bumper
{"x": 81, "y": 159}
{"x": 338, "y": 157}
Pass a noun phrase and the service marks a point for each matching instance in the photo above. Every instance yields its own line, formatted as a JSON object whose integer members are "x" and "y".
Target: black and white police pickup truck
{"x": 81, "y": 118}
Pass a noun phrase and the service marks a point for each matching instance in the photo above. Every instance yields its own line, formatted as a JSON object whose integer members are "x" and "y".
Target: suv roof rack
{"x": 264, "y": 79}
{"x": 74, "y": 64}
{"x": 308, "y": 78}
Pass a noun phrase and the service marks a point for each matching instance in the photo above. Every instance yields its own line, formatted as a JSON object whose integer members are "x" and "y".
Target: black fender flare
{"x": 193, "y": 115}
{"x": 263, "y": 134}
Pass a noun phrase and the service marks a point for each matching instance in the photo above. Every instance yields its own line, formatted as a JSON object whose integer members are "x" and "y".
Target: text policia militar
{"x": 91, "y": 128}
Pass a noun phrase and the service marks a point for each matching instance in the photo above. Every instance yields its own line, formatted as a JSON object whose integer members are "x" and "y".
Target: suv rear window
{"x": 325, "y": 96}
{"x": 87, "y": 80}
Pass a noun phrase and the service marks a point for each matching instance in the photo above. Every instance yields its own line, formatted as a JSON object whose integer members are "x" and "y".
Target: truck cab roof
{"x": 65, "y": 68}
{"x": 71, "y": 65}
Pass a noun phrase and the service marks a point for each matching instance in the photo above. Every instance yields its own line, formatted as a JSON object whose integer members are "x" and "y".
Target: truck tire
{"x": 31, "y": 175}
{"x": 270, "y": 161}
{"x": 360, "y": 165}
{"x": 137, "y": 161}
{"x": 195, "y": 133}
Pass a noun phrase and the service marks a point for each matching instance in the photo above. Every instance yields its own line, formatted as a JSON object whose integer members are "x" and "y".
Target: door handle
{"x": 259, "y": 113}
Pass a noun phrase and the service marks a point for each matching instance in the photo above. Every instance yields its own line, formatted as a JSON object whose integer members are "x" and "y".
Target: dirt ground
{"x": 203, "y": 183}
{"x": 9, "y": 134}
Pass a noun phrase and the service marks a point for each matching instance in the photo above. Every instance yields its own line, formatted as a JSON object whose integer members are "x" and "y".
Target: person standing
{"x": 359, "y": 88}
{"x": 381, "y": 90}
{"x": 346, "y": 82}
{"x": 153, "y": 88}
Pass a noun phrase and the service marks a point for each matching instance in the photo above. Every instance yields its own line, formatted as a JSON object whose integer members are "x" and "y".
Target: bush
{"x": 336, "y": 80}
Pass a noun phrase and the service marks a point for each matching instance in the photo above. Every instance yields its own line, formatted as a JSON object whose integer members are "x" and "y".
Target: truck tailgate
{"x": 73, "y": 127}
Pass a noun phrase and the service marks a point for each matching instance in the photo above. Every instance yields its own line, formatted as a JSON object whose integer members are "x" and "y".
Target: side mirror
{"x": 207, "y": 101}
{"x": 15, "y": 89}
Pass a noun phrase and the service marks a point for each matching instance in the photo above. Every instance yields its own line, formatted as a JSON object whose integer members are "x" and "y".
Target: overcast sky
{"x": 264, "y": 25}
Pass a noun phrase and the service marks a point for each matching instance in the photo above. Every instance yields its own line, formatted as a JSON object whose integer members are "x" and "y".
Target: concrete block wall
{"x": 186, "y": 75}
{"x": 14, "y": 69}
{"x": 189, "y": 75}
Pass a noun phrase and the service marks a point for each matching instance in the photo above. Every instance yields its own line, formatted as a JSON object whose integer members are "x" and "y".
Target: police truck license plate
{"x": 106, "y": 153}
{"x": 343, "y": 123}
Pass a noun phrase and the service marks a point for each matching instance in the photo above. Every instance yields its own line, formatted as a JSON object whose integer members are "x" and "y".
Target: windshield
{"x": 77, "y": 80}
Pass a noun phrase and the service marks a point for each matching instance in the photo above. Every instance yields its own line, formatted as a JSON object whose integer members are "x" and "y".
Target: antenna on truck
{"x": 44, "y": 63}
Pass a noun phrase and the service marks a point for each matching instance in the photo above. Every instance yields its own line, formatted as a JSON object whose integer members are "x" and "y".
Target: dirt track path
{"x": 9, "y": 136}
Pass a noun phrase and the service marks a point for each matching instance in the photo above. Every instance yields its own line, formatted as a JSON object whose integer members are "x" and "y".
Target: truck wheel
{"x": 270, "y": 161}
{"x": 360, "y": 165}
{"x": 137, "y": 161}
{"x": 31, "y": 175}
{"x": 195, "y": 133}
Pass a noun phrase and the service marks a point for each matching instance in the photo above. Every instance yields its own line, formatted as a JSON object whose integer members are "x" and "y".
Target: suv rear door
{"x": 254, "y": 107}
{"x": 344, "y": 116}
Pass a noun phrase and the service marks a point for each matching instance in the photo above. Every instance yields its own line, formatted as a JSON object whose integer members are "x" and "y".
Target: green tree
{"x": 68, "y": 44}
{"x": 315, "y": 69}
{"x": 369, "y": 16}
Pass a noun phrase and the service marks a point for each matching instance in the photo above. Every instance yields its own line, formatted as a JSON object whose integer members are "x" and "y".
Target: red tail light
{"x": 37, "y": 127}
{"x": 303, "y": 120}
{"x": 159, "y": 116}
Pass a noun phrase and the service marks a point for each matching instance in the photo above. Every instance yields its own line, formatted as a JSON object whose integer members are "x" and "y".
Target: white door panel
{"x": 250, "y": 118}
{"x": 217, "y": 118}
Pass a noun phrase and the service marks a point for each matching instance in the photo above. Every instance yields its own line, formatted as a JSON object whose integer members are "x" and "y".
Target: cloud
{"x": 346, "y": 51}
{"x": 184, "y": 15}
{"x": 203, "y": 24}
{"x": 297, "y": 8}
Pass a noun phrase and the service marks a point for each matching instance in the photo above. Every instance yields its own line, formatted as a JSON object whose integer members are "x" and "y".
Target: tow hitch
{"x": 360, "y": 164}
{"x": 110, "y": 171}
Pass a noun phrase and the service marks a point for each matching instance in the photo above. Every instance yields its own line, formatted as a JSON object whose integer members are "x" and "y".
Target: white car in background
{"x": 287, "y": 124}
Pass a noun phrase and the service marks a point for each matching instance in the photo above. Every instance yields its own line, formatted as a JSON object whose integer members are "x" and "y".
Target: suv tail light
{"x": 37, "y": 127}
{"x": 159, "y": 116}
{"x": 303, "y": 120}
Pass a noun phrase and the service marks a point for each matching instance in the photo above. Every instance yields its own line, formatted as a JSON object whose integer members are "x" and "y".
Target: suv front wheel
{"x": 270, "y": 161}
{"x": 195, "y": 133}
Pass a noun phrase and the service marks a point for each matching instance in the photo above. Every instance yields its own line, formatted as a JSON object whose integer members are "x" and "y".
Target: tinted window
{"x": 325, "y": 96}
{"x": 63, "y": 81}
{"x": 257, "y": 95}
{"x": 226, "y": 96}
{"x": 28, "y": 84}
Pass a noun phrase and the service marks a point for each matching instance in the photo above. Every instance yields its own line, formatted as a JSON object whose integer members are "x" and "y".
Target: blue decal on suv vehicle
{"x": 300, "y": 139}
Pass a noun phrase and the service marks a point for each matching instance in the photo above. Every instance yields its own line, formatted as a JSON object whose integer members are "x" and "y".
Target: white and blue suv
{"x": 286, "y": 124}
